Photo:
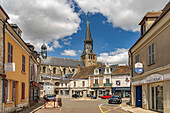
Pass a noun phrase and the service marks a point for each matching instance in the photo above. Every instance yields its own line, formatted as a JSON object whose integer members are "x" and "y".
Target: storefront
{"x": 123, "y": 92}
{"x": 34, "y": 93}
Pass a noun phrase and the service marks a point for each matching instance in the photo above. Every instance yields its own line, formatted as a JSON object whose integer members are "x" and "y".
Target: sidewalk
{"x": 131, "y": 109}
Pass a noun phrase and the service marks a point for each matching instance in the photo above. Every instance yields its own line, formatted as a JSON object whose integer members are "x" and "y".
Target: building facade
{"x": 150, "y": 64}
{"x": 34, "y": 76}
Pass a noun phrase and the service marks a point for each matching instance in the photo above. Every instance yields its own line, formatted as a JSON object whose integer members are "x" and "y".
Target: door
{"x": 138, "y": 96}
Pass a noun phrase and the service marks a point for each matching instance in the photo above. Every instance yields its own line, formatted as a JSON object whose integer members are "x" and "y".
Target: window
{"x": 64, "y": 71}
{"x": 23, "y": 63}
{"x": 65, "y": 84}
{"x": 136, "y": 58}
{"x": 83, "y": 82}
{"x": 73, "y": 70}
{"x": 74, "y": 84}
{"x": 108, "y": 70}
{"x": 23, "y": 91}
{"x": 107, "y": 80}
{"x": 54, "y": 70}
{"x": 10, "y": 52}
{"x": 96, "y": 81}
{"x": 44, "y": 69}
{"x": 61, "y": 84}
{"x": 5, "y": 90}
{"x": 13, "y": 90}
{"x": 61, "y": 92}
{"x": 151, "y": 54}
{"x": 118, "y": 82}
{"x": 143, "y": 29}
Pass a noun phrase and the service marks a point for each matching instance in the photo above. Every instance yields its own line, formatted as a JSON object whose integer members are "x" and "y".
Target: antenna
{"x": 88, "y": 16}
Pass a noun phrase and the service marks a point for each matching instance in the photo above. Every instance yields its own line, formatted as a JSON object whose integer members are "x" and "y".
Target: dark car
{"x": 93, "y": 97}
{"x": 115, "y": 99}
{"x": 75, "y": 95}
{"x": 49, "y": 97}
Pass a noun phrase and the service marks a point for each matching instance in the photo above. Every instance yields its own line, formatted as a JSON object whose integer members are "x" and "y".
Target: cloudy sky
{"x": 61, "y": 24}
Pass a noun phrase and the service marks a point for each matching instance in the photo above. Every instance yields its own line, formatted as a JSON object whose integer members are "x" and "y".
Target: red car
{"x": 106, "y": 96}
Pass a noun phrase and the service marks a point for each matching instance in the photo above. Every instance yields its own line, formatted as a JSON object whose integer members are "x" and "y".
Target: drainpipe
{"x": 29, "y": 83}
{"x": 131, "y": 71}
{"x": 4, "y": 25}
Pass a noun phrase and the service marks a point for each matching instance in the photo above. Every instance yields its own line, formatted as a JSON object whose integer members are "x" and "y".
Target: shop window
{"x": 61, "y": 92}
{"x": 67, "y": 92}
{"x": 151, "y": 54}
{"x": 118, "y": 82}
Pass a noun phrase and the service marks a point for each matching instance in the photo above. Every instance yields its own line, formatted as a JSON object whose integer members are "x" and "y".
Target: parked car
{"x": 49, "y": 97}
{"x": 93, "y": 97}
{"x": 115, "y": 99}
{"x": 105, "y": 96}
{"x": 75, "y": 95}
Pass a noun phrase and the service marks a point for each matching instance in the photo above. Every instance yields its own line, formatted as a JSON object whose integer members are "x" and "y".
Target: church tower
{"x": 88, "y": 56}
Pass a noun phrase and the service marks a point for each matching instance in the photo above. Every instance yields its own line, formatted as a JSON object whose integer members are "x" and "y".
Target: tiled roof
{"x": 65, "y": 62}
{"x": 85, "y": 71}
{"x": 122, "y": 70}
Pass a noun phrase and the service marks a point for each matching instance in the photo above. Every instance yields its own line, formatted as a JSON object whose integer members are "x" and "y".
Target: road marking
{"x": 101, "y": 108}
{"x": 111, "y": 108}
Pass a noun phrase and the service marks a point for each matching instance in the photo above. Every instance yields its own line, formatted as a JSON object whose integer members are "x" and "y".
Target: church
{"x": 59, "y": 71}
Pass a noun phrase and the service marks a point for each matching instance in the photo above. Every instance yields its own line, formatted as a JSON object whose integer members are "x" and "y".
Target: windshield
{"x": 115, "y": 97}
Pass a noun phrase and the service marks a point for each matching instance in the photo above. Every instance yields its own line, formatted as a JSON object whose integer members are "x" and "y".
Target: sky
{"x": 61, "y": 25}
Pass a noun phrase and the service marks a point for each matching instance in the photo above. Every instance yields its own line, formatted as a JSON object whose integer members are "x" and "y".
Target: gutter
{"x": 131, "y": 74}
{"x": 4, "y": 26}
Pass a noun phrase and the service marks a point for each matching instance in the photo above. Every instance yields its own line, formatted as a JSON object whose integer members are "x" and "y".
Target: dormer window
{"x": 96, "y": 71}
{"x": 107, "y": 71}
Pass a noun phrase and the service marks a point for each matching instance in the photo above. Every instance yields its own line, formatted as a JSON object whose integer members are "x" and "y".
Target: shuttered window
{"x": 23, "y": 63}
{"x": 10, "y": 52}
{"x": 23, "y": 91}
{"x": 151, "y": 54}
{"x": 5, "y": 90}
{"x": 136, "y": 58}
{"x": 13, "y": 90}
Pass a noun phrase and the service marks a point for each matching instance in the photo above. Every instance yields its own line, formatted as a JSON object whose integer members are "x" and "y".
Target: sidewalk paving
{"x": 133, "y": 109}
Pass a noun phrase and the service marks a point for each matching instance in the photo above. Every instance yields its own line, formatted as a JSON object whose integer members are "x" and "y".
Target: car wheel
{"x": 102, "y": 97}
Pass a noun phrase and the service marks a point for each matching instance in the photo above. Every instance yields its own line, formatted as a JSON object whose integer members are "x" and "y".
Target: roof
{"x": 165, "y": 11}
{"x": 85, "y": 71}
{"x": 122, "y": 70}
{"x": 4, "y": 12}
{"x": 154, "y": 14}
{"x": 88, "y": 33}
{"x": 64, "y": 62}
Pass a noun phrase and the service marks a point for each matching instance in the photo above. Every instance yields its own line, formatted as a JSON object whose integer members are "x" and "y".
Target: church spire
{"x": 88, "y": 33}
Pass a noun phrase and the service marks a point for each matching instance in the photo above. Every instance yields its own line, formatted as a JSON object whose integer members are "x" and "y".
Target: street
{"x": 89, "y": 106}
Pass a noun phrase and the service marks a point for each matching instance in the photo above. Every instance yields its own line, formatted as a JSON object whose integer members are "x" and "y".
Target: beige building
{"x": 149, "y": 59}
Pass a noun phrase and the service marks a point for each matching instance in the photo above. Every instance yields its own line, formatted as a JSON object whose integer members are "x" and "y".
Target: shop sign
{"x": 35, "y": 84}
{"x": 122, "y": 89}
{"x": 154, "y": 78}
{"x": 139, "y": 68}
{"x": 167, "y": 77}
{"x": 10, "y": 67}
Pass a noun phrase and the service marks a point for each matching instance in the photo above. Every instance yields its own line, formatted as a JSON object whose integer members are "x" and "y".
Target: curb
{"x": 36, "y": 109}
{"x": 125, "y": 109}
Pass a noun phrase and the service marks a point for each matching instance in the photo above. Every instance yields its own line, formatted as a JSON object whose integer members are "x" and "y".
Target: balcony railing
{"x": 95, "y": 85}
{"x": 107, "y": 84}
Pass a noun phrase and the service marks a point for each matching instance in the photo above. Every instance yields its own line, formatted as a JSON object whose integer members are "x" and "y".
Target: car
{"x": 92, "y": 97}
{"x": 105, "y": 96}
{"x": 49, "y": 97}
{"x": 115, "y": 99}
{"x": 75, "y": 95}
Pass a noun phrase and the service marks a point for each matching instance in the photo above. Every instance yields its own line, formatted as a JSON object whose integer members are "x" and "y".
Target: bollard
{"x": 54, "y": 103}
{"x": 44, "y": 103}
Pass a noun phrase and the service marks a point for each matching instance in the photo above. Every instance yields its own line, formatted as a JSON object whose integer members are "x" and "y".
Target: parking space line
{"x": 101, "y": 108}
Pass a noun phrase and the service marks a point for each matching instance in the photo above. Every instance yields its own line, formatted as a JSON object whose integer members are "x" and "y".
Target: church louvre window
{"x": 44, "y": 69}
{"x": 54, "y": 70}
{"x": 64, "y": 70}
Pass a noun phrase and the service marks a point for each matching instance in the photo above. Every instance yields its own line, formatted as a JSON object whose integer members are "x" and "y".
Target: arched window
{"x": 44, "y": 69}
{"x": 64, "y": 70}
{"x": 54, "y": 70}
{"x": 73, "y": 70}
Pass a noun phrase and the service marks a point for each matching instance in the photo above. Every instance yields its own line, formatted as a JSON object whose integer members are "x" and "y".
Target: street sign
{"x": 139, "y": 68}
{"x": 9, "y": 66}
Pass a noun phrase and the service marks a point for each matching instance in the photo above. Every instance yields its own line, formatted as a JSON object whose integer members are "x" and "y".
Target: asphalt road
{"x": 89, "y": 106}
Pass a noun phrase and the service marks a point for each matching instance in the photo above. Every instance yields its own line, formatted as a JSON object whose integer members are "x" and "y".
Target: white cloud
{"x": 79, "y": 51}
{"x": 43, "y": 20}
{"x": 69, "y": 52}
{"x": 67, "y": 41}
{"x": 125, "y": 14}
{"x": 56, "y": 44}
{"x": 120, "y": 56}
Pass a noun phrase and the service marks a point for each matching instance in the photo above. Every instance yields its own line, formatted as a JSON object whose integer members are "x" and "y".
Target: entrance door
{"x": 138, "y": 96}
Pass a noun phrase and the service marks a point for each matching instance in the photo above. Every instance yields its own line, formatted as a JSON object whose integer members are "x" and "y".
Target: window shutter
{"x": 5, "y": 90}
{"x": 8, "y": 52}
{"x": 13, "y": 90}
{"x": 23, "y": 91}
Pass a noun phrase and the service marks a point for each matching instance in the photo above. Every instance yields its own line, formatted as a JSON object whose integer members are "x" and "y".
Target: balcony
{"x": 95, "y": 85}
{"x": 107, "y": 84}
